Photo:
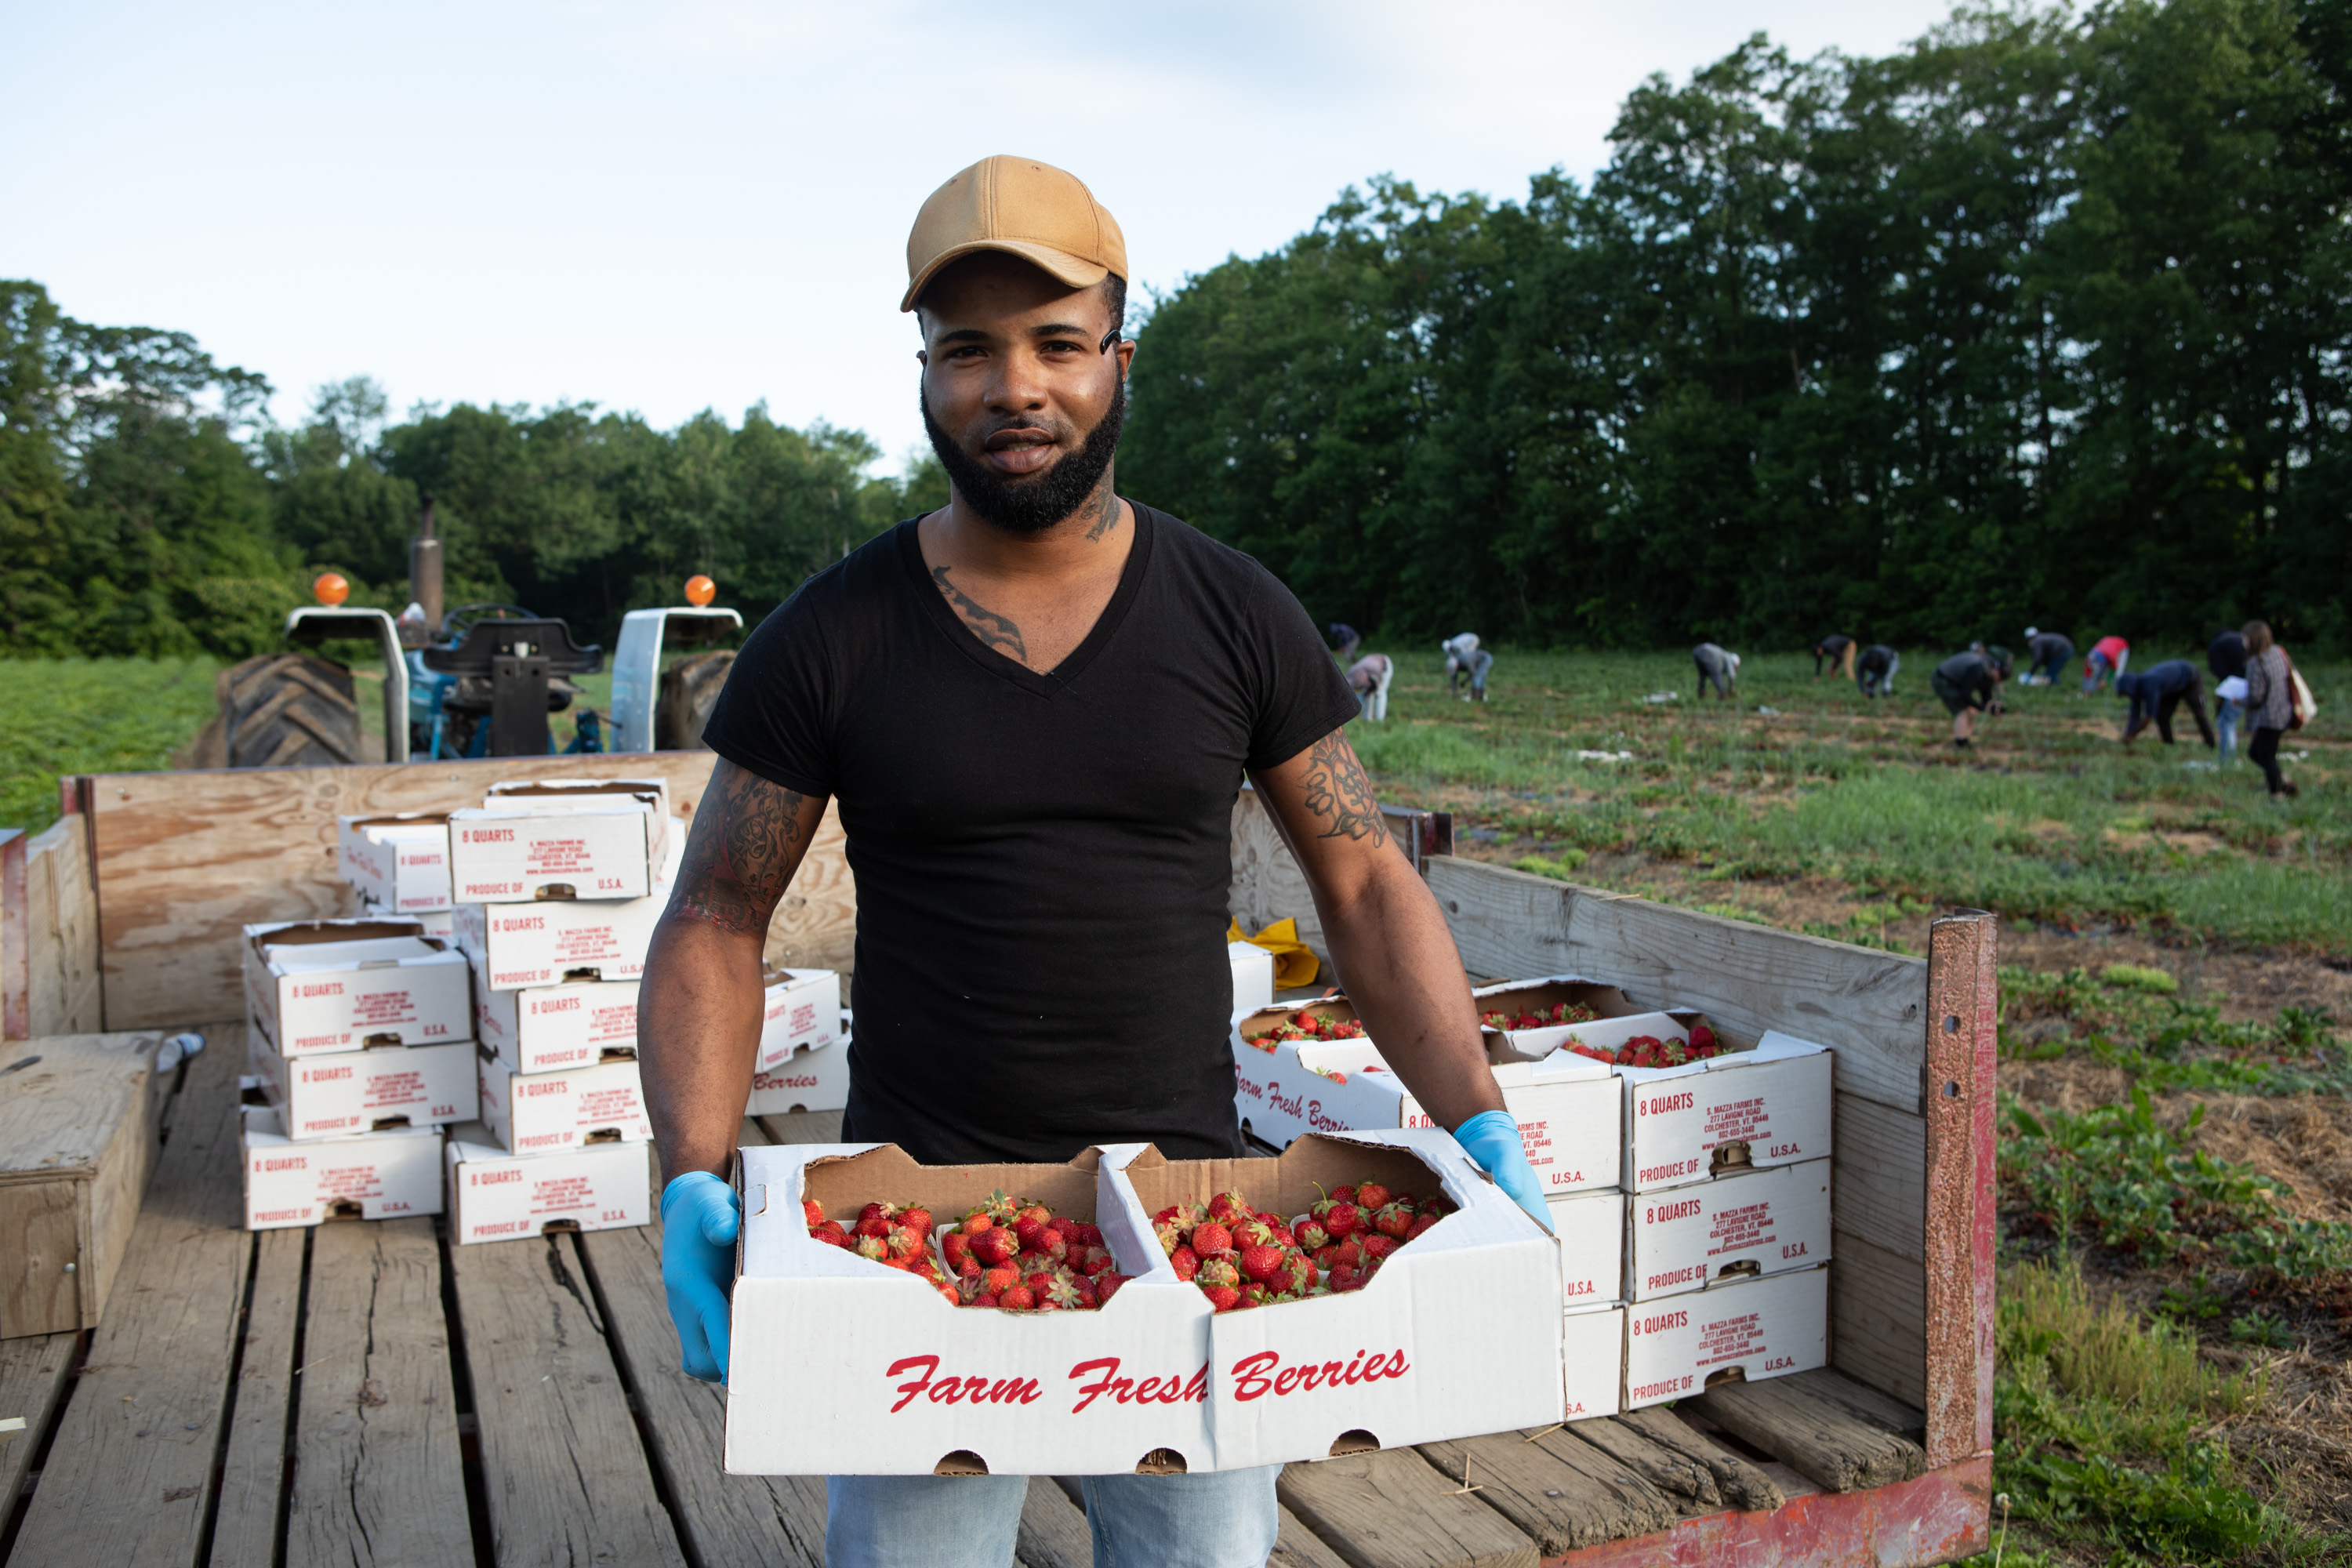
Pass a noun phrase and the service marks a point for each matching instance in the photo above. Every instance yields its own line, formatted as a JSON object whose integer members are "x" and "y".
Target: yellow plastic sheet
{"x": 1295, "y": 963}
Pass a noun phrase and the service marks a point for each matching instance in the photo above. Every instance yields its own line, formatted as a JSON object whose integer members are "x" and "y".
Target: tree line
{"x": 2047, "y": 318}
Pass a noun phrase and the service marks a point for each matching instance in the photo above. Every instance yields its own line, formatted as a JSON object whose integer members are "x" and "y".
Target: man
{"x": 1369, "y": 677}
{"x": 1463, "y": 656}
{"x": 1969, "y": 683}
{"x": 1719, "y": 665}
{"x": 2225, "y": 656}
{"x": 2157, "y": 691}
{"x": 1837, "y": 650}
{"x": 1034, "y": 707}
{"x": 1345, "y": 638}
{"x": 2046, "y": 653}
{"x": 2108, "y": 656}
{"x": 1875, "y": 672}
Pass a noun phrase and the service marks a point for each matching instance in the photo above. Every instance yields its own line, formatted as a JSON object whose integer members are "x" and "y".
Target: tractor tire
{"x": 285, "y": 710}
{"x": 689, "y": 690}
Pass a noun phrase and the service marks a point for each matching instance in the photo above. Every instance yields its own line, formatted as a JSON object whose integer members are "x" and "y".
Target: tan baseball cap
{"x": 1041, "y": 213}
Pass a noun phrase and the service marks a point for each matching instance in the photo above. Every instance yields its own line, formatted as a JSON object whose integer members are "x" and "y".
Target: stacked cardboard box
{"x": 360, "y": 1042}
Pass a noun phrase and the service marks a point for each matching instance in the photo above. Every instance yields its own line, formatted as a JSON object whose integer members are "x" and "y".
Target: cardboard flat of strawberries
{"x": 1286, "y": 1184}
{"x": 845, "y": 1184}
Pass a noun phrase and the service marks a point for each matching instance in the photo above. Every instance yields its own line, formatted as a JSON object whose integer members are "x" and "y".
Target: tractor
{"x": 480, "y": 680}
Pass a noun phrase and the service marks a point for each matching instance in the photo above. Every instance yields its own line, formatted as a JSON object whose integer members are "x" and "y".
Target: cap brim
{"x": 1059, "y": 264}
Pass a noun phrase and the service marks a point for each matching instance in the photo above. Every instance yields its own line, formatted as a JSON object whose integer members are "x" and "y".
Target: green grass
{"x": 2047, "y": 818}
{"x": 74, "y": 716}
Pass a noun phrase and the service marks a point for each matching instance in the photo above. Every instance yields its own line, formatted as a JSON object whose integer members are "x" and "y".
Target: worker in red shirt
{"x": 2108, "y": 657}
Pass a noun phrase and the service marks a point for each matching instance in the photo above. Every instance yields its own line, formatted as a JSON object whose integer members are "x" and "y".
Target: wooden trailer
{"x": 367, "y": 1393}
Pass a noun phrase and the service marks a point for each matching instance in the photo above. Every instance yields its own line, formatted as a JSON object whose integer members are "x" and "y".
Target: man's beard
{"x": 1035, "y": 504}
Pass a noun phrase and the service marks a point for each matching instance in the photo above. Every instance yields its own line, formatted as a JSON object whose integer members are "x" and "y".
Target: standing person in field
{"x": 1836, "y": 651}
{"x": 2225, "y": 656}
{"x": 1345, "y": 639}
{"x": 1369, "y": 677}
{"x": 1875, "y": 673}
{"x": 2157, "y": 691}
{"x": 1719, "y": 665}
{"x": 1969, "y": 683}
{"x": 2108, "y": 656}
{"x": 1463, "y": 656}
{"x": 2046, "y": 654}
{"x": 2269, "y": 705}
{"x": 1034, "y": 707}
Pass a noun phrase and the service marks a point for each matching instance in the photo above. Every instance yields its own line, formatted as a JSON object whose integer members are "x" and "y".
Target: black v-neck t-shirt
{"x": 1042, "y": 860}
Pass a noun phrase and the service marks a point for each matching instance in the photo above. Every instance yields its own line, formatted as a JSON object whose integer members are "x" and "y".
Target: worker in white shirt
{"x": 1370, "y": 677}
{"x": 1464, "y": 657}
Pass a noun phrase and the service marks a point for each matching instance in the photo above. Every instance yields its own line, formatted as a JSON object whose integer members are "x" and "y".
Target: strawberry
{"x": 1258, "y": 1296}
{"x": 1252, "y": 1232}
{"x": 814, "y": 1210}
{"x": 1107, "y": 1285}
{"x": 993, "y": 1245}
{"x": 1299, "y": 1271}
{"x": 1088, "y": 1300}
{"x": 1311, "y": 1233}
{"x": 1370, "y": 1195}
{"x": 1339, "y": 1217}
{"x": 997, "y": 1281}
{"x": 1379, "y": 1247}
{"x": 1211, "y": 1237}
{"x": 1017, "y": 1299}
{"x": 1171, "y": 1238}
{"x": 917, "y": 1218}
{"x": 1062, "y": 1294}
{"x": 984, "y": 1300}
{"x": 872, "y": 1223}
{"x": 1341, "y": 1194}
{"x": 1261, "y": 1263}
{"x": 1413, "y": 1231}
{"x": 902, "y": 1242}
{"x": 955, "y": 1246}
{"x": 1186, "y": 1261}
{"x": 1702, "y": 1038}
{"x": 1229, "y": 1207}
{"x": 1395, "y": 1219}
{"x": 1096, "y": 1260}
{"x": 1345, "y": 1277}
{"x": 831, "y": 1234}
{"x": 1676, "y": 1053}
{"x": 872, "y": 1248}
{"x": 1218, "y": 1272}
{"x": 969, "y": 1269}
{"x": 1082, "y": 1234}
{"x": 1223, "y": 1298}
{"x": 1028, "y": 1228}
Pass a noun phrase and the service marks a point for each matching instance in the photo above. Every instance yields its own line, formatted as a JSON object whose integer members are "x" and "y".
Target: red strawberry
{"x": 1299, "y": 1271}
{"x": 1414, "y": 1230}
{"x": 1345, "y": 1277}
{"x": 1379, "y": 1247}
{"x": 1028, "y": 1228}
{"x": 1088, "y": 1300}
{"x": 969, "y": 1269}
{"x": 873, "y": 1224}
{"x": 1252, "y": 1232}
{"x": 1223, "y": 1298}
{"x": 902, "y": 1242}
{"x": 1341, "y": 1194}
{"x": 831, "y": 1234}
{"x": 1082, "y": 1234}
{"x": 1186, "y": 1261}
{"x": 1063, "y": 1294}
{"x": 815, "y": 1211}
{"x": 1370, "y": 1195}
{"x": 1311, "y": 1233}
{"x": 984, "y": 1300}
{"x": 1395, "y": 1219}
{"x": 874, "y": 1211}
{"x": 955, "y": 1246}
{"x": 1019, "y": 1299}
{"x": 993, "y": 1245}
{"x": 917, "y": 1218}
{"x": 1096, "y": 1260}
{"x": 1262, "y": 1263}
{"x": 1702, "y": 1037}
{"x": 1211, "y": 1237}
{"x": 1341, "y": 1219}
{"x": 1218, "y": 1272}
{"x": 997, "y": 1281}
{"x": 1107, "y": 1285}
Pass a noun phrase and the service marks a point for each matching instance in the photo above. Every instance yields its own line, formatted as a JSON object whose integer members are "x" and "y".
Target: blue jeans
{"x": 2226, "y": 721}
{"x": 1225, "y": 1520}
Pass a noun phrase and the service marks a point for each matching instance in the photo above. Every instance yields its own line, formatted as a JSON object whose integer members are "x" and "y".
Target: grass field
{"x": 2175, "y": 1311}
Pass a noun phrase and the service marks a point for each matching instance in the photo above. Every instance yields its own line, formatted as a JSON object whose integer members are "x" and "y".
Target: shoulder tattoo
{"x": 742, "y": 851}
{"x": 996, "y": 631}
{"x": 1337, "y": 791}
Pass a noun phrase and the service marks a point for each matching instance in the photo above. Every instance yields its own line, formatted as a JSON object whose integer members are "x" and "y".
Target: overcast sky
{"x": 670, "y": 207}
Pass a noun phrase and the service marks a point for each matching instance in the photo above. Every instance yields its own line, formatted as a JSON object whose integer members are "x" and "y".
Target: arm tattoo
{"x": 994, "y": 630}
{"x": 1336, "y": 788}
{"x": 1106, "y": 512}
{"x": 742, "y": 851}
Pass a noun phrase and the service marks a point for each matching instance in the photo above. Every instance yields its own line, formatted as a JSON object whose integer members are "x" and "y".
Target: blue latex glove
{"x": 1492, "y": 1139}
{"x": 701, "y": 1217}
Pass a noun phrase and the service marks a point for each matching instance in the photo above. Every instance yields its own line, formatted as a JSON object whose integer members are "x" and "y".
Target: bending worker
{"x": 1837, "y": 649}
{"x": 2046, "y": 653}
{"x": 1345, "y": 639}
{"x": 2159, "y": 689}
{"x": 1464, "y": 657}
{"x": 1970, "y": 684}
{"x": 1037, "y": 800}
{"x": 1719, "y": 665}
{"x": 1368, "y": 679}
{"x": 2108, "y": 656}
{"x": 2226, "y": 657}
{"x": 1876, "y": 671}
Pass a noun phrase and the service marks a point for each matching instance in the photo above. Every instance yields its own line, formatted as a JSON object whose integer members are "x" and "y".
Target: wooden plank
{"x": 32, "y": 1375}
{"x": 376, "y": 1464}
{"x": 566, "y": 1477}
{"x": 16, "y": 938}
{"x": 77, "y": 1137}
{"x": 252, "y": 1469}
{"x": 1563, "y": 1492}
{"x": 1878, "y": 1308}
{"x": 129, "y": 1474}
{"x": 1816, "y": 1436}
{"x": 1867, "y": 1005}
{"x": 1879, "y": 1177}
{"x": 1267, "y": 885}
{"x": 815, "y": 923}
{"x": 731, "y": 1522}
{"x": 1391, "y": 1509}
{"x": 1962, "y": 1224}
{"x": 1864, "y": 1402}
{"x": 1939, "y": 1518}
{"x": 60, "y": 924}
{"x": 186, "y": 860}
{"x": 1053, "y": 1530}
{"x": 1742, "y": 1485}
{"x": 1300, "y": 1547}
{"x": 42, "y": 1222}
{"x": 1668, "y": 1468}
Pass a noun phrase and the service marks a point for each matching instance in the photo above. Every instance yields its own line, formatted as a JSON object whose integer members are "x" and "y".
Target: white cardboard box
{"x": 1769, "y": 1106}
{"x": 1765, "y": 1328}
{"x": 1252, "y": 978}
{"x": 536, "y": 842}
{"x": 375, "y": 1176}
{"x": 814, "y": 1079}
{"x": 515, "y": 945}
{"x": 1593, "y": 1356}
{"x": 537, "y": 1113}
{"x": 441, "y": 925}
{"x": 1619, "y": 1019}
{"x": 546, "y": 1028}
{"x": 804, "y": 1013}
{"x": 339, "y": 986}
{"x": 908, "y": 1381}
{"x": 1592, "y": 1230}
{"x": 333, "y": 1094}
{"x": 495, "y": 1196}
{"x": 1569, "y": 1109}
{"x": 398, "y": 862}
{"x": 1771, "y": 1221}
